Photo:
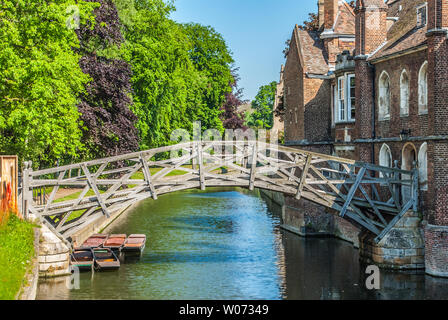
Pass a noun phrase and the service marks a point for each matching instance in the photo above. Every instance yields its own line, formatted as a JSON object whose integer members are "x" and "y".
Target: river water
{"x": 226, "y": 244}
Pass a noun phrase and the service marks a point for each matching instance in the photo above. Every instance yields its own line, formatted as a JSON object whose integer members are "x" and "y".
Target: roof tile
{"x": 312, "y": 51}
{"x": 404, "y": 34}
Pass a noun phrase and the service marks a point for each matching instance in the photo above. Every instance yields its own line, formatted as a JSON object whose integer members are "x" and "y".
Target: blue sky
{"x": 255, "y": 31}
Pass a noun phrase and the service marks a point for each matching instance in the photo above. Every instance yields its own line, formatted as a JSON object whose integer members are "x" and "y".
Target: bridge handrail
{"x": 272, "y": 147}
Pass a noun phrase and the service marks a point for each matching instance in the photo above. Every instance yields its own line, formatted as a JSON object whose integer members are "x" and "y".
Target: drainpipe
{"x": 373, "y": 110}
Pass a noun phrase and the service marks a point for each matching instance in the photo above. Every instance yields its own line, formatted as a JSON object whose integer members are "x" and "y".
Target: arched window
{"x": 384, "y": 96}
{"x": 409, "y": 156}
{"x": 385, "y": 158}
{"x": 423, "y": 89}
{"x": 423, "y": 166}
{"x": 404, "y": 94}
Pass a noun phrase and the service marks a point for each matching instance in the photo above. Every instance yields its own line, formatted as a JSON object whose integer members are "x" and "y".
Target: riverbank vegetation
{"x": 16, "y": 254}
{"x": 85, "y": 79}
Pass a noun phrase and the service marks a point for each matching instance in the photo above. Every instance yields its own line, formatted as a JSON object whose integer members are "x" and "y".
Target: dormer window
{"x": 422, "y": 16}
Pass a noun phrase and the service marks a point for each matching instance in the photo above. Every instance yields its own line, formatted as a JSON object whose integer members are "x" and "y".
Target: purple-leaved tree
{"x": 231, "y": 117}
{"x": 108, "y": 123}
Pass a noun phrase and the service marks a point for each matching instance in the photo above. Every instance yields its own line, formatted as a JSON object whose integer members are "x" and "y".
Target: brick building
{"x": 372, "y": 85}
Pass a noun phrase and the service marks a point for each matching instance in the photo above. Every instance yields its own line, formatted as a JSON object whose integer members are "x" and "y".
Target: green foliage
{"x": 263, "y": 116}
{"x": 40, "y": 79}
{"x": 16, "y": 253}
{"x": 180, "y": 72}
{"x": 212, "y": 58}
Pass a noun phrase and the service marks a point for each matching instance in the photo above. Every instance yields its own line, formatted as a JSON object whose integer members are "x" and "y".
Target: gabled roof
{"x": 312, "y": 52}
{"x": 404, "y": 34}
{"x": 345, "y": 19}
{"x": 413, "y": 39}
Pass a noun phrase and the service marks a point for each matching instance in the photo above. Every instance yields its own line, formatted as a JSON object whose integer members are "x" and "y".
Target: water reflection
{"x": 228, "y": 245}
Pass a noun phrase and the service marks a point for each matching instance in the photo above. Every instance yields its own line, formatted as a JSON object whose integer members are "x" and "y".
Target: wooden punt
{"x": 105, "y": 259}
{"x": 94, "y": 241}
{"x": 115, "y": 242}
{"x": 135, "y": 243}
{"x": 83, "y": 259}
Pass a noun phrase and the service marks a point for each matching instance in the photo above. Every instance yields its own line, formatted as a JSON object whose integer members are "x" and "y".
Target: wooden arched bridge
{"x": 366, "y": 194}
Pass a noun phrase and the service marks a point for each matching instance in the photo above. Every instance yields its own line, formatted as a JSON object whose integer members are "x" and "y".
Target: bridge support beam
{"x": 402, "y": 247}
{"x": 54, "y": 255}
{"x": 147, "y": 175}
{"x": 253, "y": 170}
{"x": 305, "y": 170}
{"x": 201, "y": 165}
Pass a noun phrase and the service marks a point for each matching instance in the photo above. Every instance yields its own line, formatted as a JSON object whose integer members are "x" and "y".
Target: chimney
{"x": 437, "y": 14}
{"x": 371, "y": 25}
{"x": 437, "y": 65}
{"x": 371, "y": 32}
{"x": 437, "y": 72}
{"x": 321, "y": 5}
{"x": 331, "y": 8}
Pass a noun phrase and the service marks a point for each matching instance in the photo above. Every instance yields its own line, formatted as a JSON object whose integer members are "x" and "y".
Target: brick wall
{"x": 371, "y": 26}
{"x": 317, "y": 117}
{"x": 436, "y": 232}
{"x": 330, "y": 12}
{"x": 394, "y": 68}
{"x": 436, "y": 250}
{"x": 293, "y": 94}
{"x": 438, "y": 120}
{"x": 364, "y": 104}
{"x": 438, "y": 9}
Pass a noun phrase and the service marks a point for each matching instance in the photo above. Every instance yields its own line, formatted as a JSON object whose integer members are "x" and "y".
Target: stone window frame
{"x": 382, "y": 115}
{"x": 385, "y": 154}
{"x": 410, "y": 146}
{"x": 333, "y": 104}
{"x": 423, "y": 90}
{"x": 422, "y": 158}
{"x": 406, "y": 192}
{"x": 343, "y": 99}
{"x": 350, "y": 97}
{"x": 404, "y": 105}
{"x": 422, "y": 20}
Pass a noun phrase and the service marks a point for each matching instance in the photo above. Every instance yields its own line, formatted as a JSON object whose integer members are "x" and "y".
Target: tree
{"x": 181, "y": 73}
{"x": 40, "y": 80}
{"x": 280, "y": 110}
{"x": 287, "y": 48}
{"x": 263, "y": 104}
{"x": 108, "y": 123}
{"x": 163, "y": 77}
{"x": 312, "y": 24}
{"x": 231, "y": 118}
{"x": 212, "y": 59}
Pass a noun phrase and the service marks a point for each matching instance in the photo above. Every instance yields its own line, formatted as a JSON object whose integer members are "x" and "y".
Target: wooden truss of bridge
{"x": 368, "y": 195}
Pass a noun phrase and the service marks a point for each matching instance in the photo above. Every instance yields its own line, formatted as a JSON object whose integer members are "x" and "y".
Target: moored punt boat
{"x": 94, "y": 241}
{"x": 105, "y": 259}
{"x": 82, "y": 259}
{"x": 115, "y": 242}
{"x": 135, "y": 243}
